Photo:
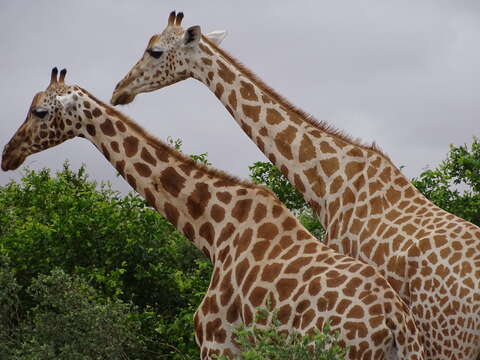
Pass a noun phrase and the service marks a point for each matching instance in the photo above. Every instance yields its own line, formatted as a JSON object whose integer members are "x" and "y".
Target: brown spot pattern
{"x": 219, "y": 90}
{"x": 283, "y": 141}
{"x": 267, "y": 231}
{"x": 247, "y": 91}
{"x": 172, "y": 181}
{"x": 120, "y": 126}
{"x": 198, "y": 200}
{"x": 330, "y": 166}
{"x": 226, "y": 74}
{"x": 145, "y": 155}
{"x": 253, "y": 112}
{"x": 259, "y": 213}
{"x": 224, "y": 197}
{"x": 171, "y": 213}
{"x": 307, "y": 150}
{"x": 285, "y": 288}
{"x": 107, "y": 128}
{"x": 130, "y": 144}
{"x": 217, "y": 213}
{"x": 241, "y": 210}
{"x": 207, "y": 231}
{"x": 143, "y": 169}
{"x": 232, "y": 100}
{"x": 96, "y": 112}
{"x": 273, "y": 117}
{"x": 120, "y": 166}
{"x": 149, "y": 197}
{"x": 91, "y": 129}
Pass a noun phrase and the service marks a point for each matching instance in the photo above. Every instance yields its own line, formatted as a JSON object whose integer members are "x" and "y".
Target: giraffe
{"x": 258, "y": 248}
{"x": 368, "y": 208}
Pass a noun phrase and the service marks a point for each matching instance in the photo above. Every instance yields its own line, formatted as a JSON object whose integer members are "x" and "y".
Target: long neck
{"x": 190, "y": 196}
{"x": 333, "y": 172}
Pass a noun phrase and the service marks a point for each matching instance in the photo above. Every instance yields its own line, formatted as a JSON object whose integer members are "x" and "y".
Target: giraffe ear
{"x": 192, "y": 36}
{"x": 67, "y": 101}
{"x": 216, "y": 36}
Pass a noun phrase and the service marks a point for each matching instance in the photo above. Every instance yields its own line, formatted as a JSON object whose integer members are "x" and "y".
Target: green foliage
{"x": 267, "y": 174}
{"x": 72, "y": 321}
{"x": 177, "y": 145}
{"x": 124, "y": 249}
{"x": 178, "y": 332}
{"x": 454, "y": 185}
{"x": 9, "y": 308}
{"x": 92, "y": 274}
{"x": 263, "y": 340}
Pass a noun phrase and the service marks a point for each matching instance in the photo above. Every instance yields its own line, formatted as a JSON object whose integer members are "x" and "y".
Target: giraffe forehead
{"x": 48, "y": 96}
{"x": 167, "y": 38}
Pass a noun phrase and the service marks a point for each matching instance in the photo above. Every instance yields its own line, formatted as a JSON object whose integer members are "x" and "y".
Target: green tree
{"x": 73, "y": 321}
{"x": 119, "y": 245}
{"x": 263, "y": 340}
{"x": 9, "y": 308}
{"x": 265, "y": 173}
{"x": 454, "y": 184}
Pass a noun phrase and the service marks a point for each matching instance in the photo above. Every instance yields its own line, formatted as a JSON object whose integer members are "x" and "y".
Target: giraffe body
{"x": 258, "y": 249}
{"x": 368, "y": 208}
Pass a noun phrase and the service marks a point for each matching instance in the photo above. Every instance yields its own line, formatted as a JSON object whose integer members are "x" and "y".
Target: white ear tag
{"x": 67, "y": 101}
{"x": 216, "y": 36}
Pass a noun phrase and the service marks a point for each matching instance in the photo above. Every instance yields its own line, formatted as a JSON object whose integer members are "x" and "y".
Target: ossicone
{"x": 175, "y": 19}
{"x": 53, "y": 76}
{"x": 61, "y": 79}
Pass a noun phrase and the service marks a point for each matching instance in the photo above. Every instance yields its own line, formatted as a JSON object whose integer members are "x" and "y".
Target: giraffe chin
{"x": 123, "y": 99}
{"x": 12, "y": 163}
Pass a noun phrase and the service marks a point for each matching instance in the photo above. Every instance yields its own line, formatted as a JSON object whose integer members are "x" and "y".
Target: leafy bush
{"x": 72, "y": 321}
{"x": 261, "y": 342}
{"x": 454, "y": 184}
{"x": 9, "y": 308}
{"x": 119, "y": 259}
{"x": 120, "y": 246}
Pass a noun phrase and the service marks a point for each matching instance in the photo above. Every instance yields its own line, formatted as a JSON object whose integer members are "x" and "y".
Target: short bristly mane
{"x": 160, "y": 145}
{"x": 320, "y": 125}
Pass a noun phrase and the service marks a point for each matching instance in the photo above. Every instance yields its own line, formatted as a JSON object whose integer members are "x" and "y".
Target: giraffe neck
{"x": 332, "y": 171}
{"x": 183, "y": 191}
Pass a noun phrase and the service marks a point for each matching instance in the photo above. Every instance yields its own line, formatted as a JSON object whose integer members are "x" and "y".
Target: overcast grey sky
{"x": 402, "y": 73}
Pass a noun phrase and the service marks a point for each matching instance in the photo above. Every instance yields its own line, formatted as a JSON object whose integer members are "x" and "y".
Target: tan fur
{"x": 153, "y": 141}
{"x": 320, "y": 125}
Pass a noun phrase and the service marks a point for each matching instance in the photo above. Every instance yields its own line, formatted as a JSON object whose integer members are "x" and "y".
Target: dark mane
{"x": 289, "y": 107}
{"x": 161, "y": 146}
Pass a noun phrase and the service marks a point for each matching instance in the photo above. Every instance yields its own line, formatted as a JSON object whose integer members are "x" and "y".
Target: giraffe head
{"x": 49, "y": 122}
{"x": 169, "y": 57}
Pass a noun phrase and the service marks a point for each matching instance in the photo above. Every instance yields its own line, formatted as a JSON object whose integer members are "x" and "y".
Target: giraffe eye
{"x": 155, "y": 53}
{"x": 39, "y": 113}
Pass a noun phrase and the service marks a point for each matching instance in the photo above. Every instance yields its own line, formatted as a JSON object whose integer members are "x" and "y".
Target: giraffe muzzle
{"x": 122, "y": 98}
{"x": 11, "y": 162}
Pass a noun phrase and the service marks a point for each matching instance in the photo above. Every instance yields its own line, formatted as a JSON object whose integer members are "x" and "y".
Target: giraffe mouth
{"x": 11, "y": 162}
{"x": 122, "y": 99}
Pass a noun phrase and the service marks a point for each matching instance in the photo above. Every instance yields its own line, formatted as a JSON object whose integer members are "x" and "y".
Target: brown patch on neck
{"x": 287, "y": 106}
{"x": 165, "y": 151}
